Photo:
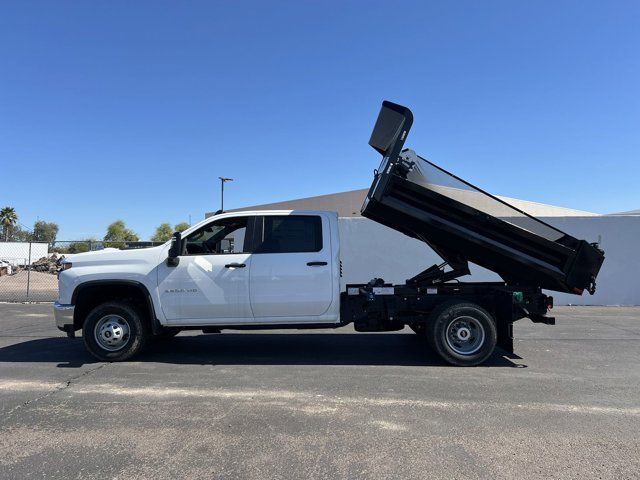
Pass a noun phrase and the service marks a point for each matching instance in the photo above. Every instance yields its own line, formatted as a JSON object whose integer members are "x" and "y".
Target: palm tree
{"x": 8, "y": 218}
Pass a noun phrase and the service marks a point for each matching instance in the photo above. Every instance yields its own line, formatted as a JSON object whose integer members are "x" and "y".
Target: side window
{"x": 291, "y": 234}
{"x": 223, "y": 236}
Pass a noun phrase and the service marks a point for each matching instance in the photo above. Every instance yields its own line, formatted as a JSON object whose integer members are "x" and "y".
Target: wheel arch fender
{"x": 91, "y": 293}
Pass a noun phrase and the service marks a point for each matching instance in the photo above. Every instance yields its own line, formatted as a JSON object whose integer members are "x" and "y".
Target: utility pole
{"x": 222, "y": 181}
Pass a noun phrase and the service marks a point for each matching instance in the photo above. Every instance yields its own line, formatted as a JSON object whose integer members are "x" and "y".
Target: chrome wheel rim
{"x": 465, "y": 335}
{"x": 112, "y": 332}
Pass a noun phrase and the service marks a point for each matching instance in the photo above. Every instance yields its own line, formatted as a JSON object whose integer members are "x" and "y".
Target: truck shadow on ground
{"x": 256, "y": 349}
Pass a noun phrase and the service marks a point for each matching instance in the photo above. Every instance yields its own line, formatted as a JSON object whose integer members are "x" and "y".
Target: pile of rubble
{"x": 50, "y": 264}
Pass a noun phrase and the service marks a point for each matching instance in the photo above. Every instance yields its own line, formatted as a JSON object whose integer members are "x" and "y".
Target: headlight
{"x": 64, "y": 266}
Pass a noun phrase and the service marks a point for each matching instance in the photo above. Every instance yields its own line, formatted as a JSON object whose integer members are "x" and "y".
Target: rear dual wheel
{"x": 463, "y": 333}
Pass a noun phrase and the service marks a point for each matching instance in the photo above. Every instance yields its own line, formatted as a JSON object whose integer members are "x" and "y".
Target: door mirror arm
{"x": 175, "y": 250}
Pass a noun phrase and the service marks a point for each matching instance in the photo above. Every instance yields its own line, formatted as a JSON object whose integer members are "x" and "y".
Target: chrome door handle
{"x": 316, "y": 264}
{"x": 235, "y": 265}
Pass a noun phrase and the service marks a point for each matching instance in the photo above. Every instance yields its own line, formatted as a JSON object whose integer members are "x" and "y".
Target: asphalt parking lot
{"x": 322, "y": 404}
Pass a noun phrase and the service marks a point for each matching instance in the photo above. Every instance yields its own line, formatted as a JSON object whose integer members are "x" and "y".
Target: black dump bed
{"x": 463, "y": 223}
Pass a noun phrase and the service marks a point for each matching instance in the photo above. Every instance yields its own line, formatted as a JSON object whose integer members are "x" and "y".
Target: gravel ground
{"x": 323, "y": 404}
{"x": 43, "y": 287}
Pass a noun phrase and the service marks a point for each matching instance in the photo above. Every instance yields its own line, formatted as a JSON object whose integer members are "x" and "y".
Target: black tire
{"x": 112, "y": 320}
{"x": 462, "y": 333}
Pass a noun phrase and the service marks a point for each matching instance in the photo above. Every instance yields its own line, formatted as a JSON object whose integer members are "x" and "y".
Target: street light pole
{"x": 222, "y": 180}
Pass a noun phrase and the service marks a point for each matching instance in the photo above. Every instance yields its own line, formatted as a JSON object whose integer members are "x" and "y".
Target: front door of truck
{"x": 210, "y": 284}
{"x": 291, "y": 271}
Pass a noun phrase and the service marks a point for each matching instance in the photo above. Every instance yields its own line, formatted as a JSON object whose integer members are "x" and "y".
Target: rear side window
{"x": 291, "y": 234}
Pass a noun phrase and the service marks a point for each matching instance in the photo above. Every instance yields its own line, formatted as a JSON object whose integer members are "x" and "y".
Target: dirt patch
{"x": 28, "y": 286}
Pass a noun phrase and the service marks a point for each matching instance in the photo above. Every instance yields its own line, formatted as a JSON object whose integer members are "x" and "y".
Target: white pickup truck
{"x": 234, "y": 269}
{"x": 282, "y": 269}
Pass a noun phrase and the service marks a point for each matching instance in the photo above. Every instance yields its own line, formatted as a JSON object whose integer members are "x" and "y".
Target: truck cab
{"x": 254, "y": 267}
{"x": 231, "y": 270}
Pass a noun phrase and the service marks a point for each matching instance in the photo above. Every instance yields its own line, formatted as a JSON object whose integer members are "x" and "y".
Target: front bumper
{"x": 64, "y": 317}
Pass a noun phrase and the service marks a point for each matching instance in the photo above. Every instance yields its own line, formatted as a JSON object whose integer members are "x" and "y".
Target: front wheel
{"x": 463, "y": 334}
{"x": 114, "y": 331}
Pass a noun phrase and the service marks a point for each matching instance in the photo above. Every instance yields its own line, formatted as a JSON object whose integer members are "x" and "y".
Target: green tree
{"x": 8, "y": 218}
{"x": 118, "y": 233}
{"x": 18, "y": 234}
{"x": 181, "y": 227}
{"x": 163, "y": 233}
{"x": 78, "y": 247}
{"x": 45, "y": 231}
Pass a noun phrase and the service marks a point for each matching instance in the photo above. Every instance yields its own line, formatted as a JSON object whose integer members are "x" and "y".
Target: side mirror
{"x": 175, "y": 250}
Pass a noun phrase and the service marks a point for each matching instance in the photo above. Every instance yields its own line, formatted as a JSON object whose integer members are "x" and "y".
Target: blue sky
{"x": 133, "y": 109}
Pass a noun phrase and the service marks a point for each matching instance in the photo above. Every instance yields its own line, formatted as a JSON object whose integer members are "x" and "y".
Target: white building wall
{"x": 18, "y": 253}
{"x": 370, "y": 250}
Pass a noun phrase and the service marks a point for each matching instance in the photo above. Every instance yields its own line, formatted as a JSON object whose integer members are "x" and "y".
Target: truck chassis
{"x": 378, "y": 306}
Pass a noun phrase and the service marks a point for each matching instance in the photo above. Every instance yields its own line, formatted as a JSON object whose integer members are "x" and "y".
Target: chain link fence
{"x": 29, "y": 270}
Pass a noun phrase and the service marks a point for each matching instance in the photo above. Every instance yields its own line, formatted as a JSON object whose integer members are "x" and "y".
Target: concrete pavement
{"x": 322, "y": 404}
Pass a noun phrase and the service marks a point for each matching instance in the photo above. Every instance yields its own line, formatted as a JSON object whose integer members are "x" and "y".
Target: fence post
{"x": 29, "y": 272}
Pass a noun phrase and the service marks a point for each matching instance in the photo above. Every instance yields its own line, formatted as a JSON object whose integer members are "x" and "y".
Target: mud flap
{"x": 505, "y": 336}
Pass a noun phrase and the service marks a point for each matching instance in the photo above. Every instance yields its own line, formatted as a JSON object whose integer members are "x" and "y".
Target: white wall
{"x": 17, "y": 253}
{"x": 370, "y": 250}
{"x": 618, "y": 282}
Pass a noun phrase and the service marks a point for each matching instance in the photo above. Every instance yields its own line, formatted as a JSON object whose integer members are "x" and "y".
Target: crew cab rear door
{"x": 291, "y": 267}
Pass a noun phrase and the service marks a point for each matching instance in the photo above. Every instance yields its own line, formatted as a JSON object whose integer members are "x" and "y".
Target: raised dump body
{"x": 462, "y": 223}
